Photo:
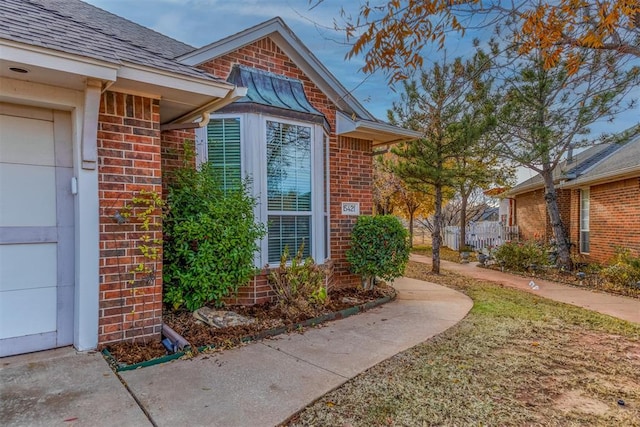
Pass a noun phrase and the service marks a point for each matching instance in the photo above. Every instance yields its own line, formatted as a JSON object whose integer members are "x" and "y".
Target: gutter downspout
{"x": 203, "y": 112}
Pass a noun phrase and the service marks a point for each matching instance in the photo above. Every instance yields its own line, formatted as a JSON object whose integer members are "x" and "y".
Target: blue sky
{"x": 200, "y": 22}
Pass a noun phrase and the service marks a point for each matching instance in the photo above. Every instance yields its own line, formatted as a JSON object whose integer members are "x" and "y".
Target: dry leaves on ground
{"x": 517, "y": 359}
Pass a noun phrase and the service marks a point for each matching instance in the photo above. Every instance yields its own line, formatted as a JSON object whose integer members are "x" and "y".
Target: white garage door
{"x": 36, "y": 230}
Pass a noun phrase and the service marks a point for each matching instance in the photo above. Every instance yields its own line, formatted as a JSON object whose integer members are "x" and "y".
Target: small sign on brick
{"x": 350, "y": 208}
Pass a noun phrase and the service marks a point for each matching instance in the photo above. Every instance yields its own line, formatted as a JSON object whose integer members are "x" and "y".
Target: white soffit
{"x": 379, "y": 132}
{"x": 52, "y": 67}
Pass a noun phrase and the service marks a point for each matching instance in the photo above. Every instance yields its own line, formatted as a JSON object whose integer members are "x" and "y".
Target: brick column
{"x": 129, "y": 165}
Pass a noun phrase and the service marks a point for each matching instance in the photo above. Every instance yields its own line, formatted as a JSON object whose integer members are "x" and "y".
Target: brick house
{"x": 95, "y": 108}
{"x": 599, "y": 200}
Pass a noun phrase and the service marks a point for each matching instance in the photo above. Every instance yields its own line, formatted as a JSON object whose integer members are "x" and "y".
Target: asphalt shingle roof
{"x": 93, "y": 33}
{"x": 626, "y": 156}
{"x": 118, "y": 27}
{"x": 595, "y": 161}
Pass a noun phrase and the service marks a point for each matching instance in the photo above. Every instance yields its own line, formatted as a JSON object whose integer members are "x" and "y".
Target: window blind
{"x": 223, "y": 136}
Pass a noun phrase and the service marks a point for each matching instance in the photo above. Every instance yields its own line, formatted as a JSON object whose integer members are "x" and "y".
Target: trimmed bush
{"x": 210, "y": 239}
{"x": 624, "y": 270}
{"x": 379, "y": 248}
{"x": 520, "y": 256}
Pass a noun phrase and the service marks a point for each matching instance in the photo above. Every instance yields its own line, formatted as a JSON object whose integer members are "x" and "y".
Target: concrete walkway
{"x": 625, "y": 308}
{"x": 64, "y": 387}
{"x": 260, "y": 384}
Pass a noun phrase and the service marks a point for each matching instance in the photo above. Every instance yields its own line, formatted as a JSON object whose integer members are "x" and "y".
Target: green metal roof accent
{"x": 271, "y": 90}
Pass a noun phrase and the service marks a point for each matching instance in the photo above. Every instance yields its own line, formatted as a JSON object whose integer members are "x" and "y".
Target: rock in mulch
{"x": 352, "y": 300}
{"x": 221, "y": 318}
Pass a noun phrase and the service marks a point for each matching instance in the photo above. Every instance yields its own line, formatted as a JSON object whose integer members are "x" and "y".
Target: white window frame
{"x": 253, "y": 152}
{"x": 317, "y": 190}
{"x": 585, "y": 193}
{"x": 326, "y": 146}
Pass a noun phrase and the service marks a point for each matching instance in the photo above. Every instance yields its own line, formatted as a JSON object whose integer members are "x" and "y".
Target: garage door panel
{"x": 66, "y": 260}
{"x": 28, "y": 266}
{"x": 34, "y": 147}
{"x": 27, "y": 344}
{"x": 62, "y": 135}
{"x": 28, "y": 312}
{"x": 27, "y": 195}
{"x": 10, "y": 235}
{"x": 37, "y": 265}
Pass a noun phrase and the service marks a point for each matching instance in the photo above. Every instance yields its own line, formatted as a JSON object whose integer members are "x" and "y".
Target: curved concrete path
{"x": 264, "y": 383}
{"x": 625, "y": 308}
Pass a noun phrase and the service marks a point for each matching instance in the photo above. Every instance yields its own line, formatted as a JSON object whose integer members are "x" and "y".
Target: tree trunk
{"x": 559, "y": 230}
{"x": 411, "y": 215}
{"x": 463, "y": 219}
{"x": 436, "y": 235}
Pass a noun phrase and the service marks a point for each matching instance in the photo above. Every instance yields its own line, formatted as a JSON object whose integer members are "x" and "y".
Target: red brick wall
{"x": 614, "y": 219}
{"x": 173, "y": 144}
{"x": 351, "y": 180}
{"x": 129, "y": 162}
{"x": 531, "y": 215}
{"x": 350, "y": 161}
{"x": 564, "y": 205}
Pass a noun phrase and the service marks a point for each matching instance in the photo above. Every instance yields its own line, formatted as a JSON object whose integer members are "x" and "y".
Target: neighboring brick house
{"x": 599, "y": 200}
{"x": 93, "y": 110}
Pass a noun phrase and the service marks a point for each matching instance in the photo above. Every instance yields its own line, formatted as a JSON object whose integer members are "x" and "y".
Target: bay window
{"x": 286, "y": 162}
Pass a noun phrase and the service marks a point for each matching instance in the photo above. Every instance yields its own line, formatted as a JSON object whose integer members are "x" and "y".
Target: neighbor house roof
{"x": 599, "y": 162}
{"x": 619, "y": 163}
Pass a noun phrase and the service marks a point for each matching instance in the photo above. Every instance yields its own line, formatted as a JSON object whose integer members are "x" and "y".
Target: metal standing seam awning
{"x": 273, "y": 94}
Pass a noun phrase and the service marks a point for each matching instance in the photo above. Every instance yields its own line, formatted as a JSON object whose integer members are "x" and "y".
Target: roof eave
{"x": 379, "y": 132}
{"x": 55, "y": 60}
{"x": 590, "y": 180}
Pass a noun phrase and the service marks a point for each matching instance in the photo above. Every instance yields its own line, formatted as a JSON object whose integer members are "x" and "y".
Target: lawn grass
{"x": 515, "y": 360}
{"x": 445, "y": 253}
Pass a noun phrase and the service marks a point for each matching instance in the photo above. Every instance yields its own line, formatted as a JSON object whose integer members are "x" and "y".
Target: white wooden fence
{"x": 480, "y": 235}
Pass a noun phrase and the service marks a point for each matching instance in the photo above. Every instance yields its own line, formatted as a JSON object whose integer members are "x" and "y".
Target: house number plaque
{"x": 350, "y": 208}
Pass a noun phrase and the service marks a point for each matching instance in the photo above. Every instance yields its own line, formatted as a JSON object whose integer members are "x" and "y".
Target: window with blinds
{"x": 584, "y": 220}
{"x": 288, "y": 188}
{"x": 223, "y": 149}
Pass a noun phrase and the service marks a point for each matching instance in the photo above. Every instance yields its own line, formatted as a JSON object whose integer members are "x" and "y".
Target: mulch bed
{"x": 267, "y": 316}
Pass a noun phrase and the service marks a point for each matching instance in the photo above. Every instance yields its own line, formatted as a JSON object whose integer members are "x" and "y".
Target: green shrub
{"x": 379, "y": 248}
{"x": 520, "y": 256}
{"x": 624, "y": 270}
{"x": 298, "y": 284}
{"x": 210, "y": 239}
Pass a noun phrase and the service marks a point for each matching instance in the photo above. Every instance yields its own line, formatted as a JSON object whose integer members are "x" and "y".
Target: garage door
{"x": 36, "y": 230}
